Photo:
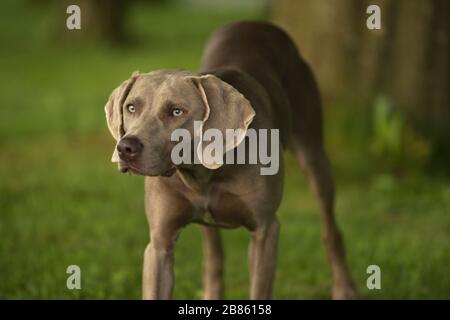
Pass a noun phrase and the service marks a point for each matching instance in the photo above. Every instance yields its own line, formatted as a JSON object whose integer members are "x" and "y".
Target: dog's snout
{"x": 129, "y": 148}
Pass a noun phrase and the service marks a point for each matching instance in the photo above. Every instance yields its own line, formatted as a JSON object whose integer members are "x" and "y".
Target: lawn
{"x": 62, "y": 202}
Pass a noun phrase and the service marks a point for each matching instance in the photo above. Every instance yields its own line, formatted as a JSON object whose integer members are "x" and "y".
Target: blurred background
{"x": 387, "y": 130}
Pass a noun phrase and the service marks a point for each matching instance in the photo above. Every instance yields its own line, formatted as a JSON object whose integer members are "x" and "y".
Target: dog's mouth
{"x": 126, "y": 167}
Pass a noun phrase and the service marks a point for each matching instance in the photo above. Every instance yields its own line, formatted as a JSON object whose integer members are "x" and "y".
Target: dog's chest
{"x": 218, "y": 207}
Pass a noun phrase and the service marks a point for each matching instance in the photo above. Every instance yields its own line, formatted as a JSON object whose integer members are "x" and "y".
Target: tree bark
{"x": 407, "y": 59}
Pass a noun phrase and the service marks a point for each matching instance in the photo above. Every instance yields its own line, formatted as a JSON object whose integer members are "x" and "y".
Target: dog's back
{"x": 258, "y": 48}
{"x": 266, "y": 53}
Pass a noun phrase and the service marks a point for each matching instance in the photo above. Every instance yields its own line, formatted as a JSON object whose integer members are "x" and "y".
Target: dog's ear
{"x": 114, "y": 110}
{"x": 225, "y": 108}
{"x": 114, "y": 106}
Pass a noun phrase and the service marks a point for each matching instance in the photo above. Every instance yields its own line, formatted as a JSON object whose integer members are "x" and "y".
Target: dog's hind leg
{"x": 307, "y": 143}
{"x": 317, "y": 169}
{"x": 212, "y": 263}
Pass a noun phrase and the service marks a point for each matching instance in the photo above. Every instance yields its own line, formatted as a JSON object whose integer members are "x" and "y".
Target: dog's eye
{"x": 177, "y": 112}
{"x": 131, "y": 108}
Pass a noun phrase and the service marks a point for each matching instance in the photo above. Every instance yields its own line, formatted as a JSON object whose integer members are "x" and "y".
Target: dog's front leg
{"x": 262, "y": 260}
{"x": 158, "y": 273}
{"x": 167, "y": 214}
{"x": 212, "y": 263}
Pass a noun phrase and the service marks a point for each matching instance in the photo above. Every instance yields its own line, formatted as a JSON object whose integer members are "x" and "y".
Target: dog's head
{"x": 144, "y": 110}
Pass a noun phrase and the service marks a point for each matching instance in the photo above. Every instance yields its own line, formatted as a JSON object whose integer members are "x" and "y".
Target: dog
{"x": 251, "y": 76}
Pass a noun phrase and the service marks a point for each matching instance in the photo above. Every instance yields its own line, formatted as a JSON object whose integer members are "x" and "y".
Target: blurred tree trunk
{"x": 407, "y": 59}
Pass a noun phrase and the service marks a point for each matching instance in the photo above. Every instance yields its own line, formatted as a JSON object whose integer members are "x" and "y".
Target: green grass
{"x": 62, "y": 202}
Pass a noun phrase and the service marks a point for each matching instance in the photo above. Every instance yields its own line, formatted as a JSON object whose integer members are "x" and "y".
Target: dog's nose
{"x": 129, "y": 148}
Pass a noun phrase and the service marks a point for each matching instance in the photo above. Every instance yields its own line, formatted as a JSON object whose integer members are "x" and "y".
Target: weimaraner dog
{"x": 252, "y": 76}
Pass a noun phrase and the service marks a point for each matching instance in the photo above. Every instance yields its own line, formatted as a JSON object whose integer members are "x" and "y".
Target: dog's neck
{"x": 195, "y": 177}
